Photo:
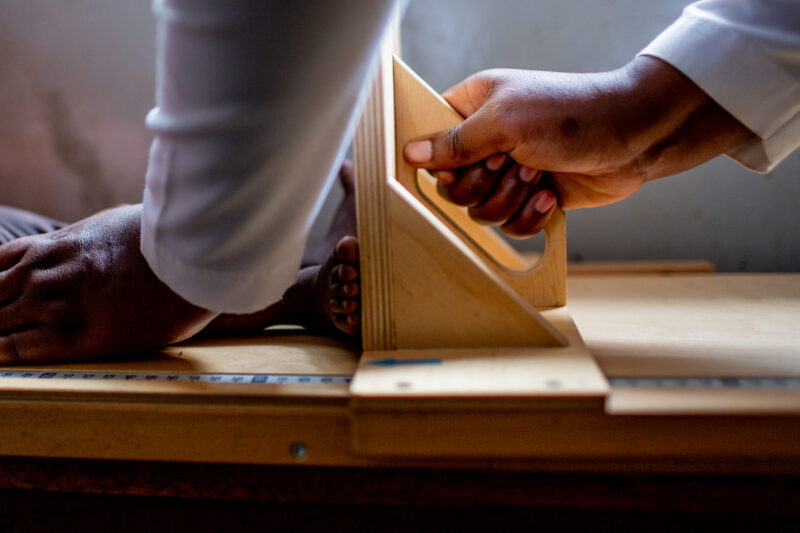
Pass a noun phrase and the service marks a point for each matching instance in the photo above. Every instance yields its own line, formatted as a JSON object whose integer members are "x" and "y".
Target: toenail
{"x": 351, "y": 290}
{"x": 348, "y": 273}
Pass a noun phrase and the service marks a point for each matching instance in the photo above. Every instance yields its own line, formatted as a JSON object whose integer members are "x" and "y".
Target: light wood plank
{"x": 212, "y": 432}
{"x": 707, "y": 401}
{"x": 584, "y": 434}
{"x": 444, "y": 296}
{"x": 560, "y": 375}
{"x": 691, "y": 326}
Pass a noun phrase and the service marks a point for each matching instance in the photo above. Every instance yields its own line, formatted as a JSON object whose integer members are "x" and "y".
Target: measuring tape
{"x": 173, "y": 377}
{"x": 713, "y": 383}
{"x": 316, "y": 379}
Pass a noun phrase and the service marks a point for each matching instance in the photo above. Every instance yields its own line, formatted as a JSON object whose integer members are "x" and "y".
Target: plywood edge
{"x": 374, "y": 167}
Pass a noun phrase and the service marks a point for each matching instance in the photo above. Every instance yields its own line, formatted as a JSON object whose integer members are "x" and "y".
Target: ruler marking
{"x": 262, "y": 379}
{"x": 172, "y": 377}
{"x": 711, "y": 382}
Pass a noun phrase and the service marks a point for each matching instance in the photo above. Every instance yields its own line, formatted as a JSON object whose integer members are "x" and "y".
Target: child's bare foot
{"x": 325, "y": 299}
{"x": 329, "y": 294}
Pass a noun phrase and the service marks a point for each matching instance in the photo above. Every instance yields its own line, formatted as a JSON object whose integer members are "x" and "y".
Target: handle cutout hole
{"x": 521, "y": 256}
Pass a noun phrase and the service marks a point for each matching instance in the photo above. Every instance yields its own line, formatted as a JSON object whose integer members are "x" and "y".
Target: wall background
{"x": 76, "y": 80}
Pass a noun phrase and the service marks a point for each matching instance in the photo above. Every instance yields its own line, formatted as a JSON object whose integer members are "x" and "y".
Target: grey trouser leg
{"x": 16, "y": 223}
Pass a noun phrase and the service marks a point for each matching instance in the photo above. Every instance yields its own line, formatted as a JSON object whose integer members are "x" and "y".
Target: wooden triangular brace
{"x": 419, "y": 111}
{"x": 423, "y": 284}
{"x": 443, "y": 295}
{"x": 445, "y": 315}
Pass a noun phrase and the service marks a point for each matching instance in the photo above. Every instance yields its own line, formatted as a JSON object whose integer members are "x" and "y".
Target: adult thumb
{"x": 473, "y": 140}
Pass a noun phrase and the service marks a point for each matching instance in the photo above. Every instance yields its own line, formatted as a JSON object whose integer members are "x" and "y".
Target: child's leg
{"x": 325, "y": 298}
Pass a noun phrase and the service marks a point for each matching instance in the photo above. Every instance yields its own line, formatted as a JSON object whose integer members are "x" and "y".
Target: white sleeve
{"x": 255, "y": 105}
{"x": 745, "y": 54}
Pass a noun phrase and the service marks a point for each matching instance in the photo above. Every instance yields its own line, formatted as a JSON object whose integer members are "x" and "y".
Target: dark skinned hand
{"x": 86, "y": 292}
{"x": 533, "y": 140}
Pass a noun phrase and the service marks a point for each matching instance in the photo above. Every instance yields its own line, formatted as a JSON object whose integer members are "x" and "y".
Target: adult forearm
{"x": 255, "y": 103}
{"x": 667, "y": 122}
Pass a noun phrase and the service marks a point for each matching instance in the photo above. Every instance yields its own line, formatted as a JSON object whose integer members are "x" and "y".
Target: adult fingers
{"x": 30, "y": 346}
{"x": 512, "y": 192}
{"x": 470, "y": 94}
{"x": 11, "y": 253}
{"x": 533, "y": 216}
{"x": 17, "y": 315}
{"x": 474, "y": 139}
{"x": 12, "y": 282}
{"x": 475, "y": 182}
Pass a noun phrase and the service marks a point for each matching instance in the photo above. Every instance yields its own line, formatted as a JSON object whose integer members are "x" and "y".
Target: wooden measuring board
{"x": 449, "y": 310}
{"x": 276, "y": 398}
{"x": 724, "y": 344}
{"x": 279, "y": 362}
{"x": 704, "y": 375}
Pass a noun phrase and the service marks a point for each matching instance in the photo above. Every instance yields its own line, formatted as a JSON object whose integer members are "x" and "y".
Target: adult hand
{"x": 598, "y": 137}
{"x": 86, "y": 292}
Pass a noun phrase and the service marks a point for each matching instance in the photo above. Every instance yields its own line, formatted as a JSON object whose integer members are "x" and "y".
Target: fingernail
{"x": 419, "y": 152}
{"x": 495, "y": 162}
{"x": 445, "y": 176}
{"x": 543, "y": 203}
{"x": 527, "y": 174}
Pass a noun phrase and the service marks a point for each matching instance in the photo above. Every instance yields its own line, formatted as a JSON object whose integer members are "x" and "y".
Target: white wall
{"x": 76, "y": 80}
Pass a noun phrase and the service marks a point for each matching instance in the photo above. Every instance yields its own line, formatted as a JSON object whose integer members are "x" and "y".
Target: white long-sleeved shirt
{"x": 745, "y": 54}
{"x": 256, "y": 101}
